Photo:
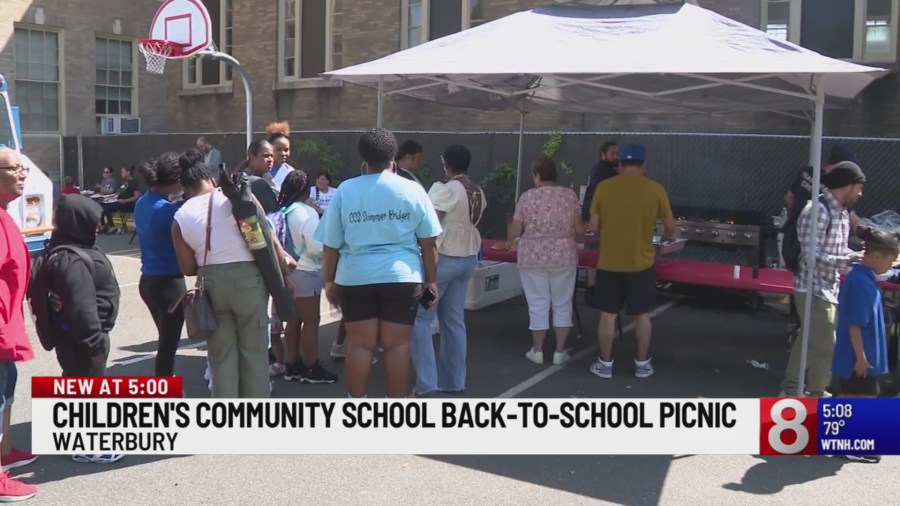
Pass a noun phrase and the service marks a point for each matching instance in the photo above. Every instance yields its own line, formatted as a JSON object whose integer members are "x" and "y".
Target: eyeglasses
{"x": 16, "y": 168}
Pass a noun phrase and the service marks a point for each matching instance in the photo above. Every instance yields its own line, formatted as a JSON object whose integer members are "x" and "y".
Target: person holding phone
{"x": 460, "y": 204}
{"x": 372, "y": 267}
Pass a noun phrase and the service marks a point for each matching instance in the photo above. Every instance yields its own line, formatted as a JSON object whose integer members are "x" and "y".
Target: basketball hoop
{"x": 156, "y": 52}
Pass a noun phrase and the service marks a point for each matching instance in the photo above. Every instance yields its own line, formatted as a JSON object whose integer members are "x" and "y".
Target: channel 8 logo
{"x": 788, "y": 426}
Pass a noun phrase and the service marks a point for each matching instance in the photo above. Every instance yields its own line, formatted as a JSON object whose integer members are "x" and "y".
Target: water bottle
{"x": 336, "y": 312}
{"x": 481, "y": 253}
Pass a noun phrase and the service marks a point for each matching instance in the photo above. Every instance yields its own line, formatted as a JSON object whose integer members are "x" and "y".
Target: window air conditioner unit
{"x": 116, "y": 125}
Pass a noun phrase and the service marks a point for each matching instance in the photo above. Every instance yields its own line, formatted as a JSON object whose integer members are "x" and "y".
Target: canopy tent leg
{"x": 812, "y": 144}
{"x": 379, "y": 121}
{"x": 521, "y": 155}
{"x": 816, "y": 155}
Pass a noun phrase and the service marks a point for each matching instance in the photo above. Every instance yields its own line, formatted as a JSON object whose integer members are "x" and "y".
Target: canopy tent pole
{"x": 812, "y": 146}
{"x": 521, "y": 155}
{"x": 379, "y": 121}
{"x": 816, "y": 152}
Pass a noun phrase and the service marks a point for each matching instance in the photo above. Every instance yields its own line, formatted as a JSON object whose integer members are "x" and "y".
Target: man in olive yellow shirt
{"x": 623, "y": 212}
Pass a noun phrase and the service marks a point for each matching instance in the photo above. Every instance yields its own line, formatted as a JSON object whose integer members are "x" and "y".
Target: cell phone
{"x": 428, "y": 298}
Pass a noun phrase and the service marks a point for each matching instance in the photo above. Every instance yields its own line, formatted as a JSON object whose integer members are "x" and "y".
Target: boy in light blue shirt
{"x": 380, "y": 236}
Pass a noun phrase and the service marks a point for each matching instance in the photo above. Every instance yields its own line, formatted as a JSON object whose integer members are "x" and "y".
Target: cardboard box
{"x": 492, "y": 283}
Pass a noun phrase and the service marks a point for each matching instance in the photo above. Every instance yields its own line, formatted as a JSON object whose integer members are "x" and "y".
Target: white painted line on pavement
{"x": 550, "y": 371}
{"x": 124, "y": 252}
{"x": 141, "y": 358}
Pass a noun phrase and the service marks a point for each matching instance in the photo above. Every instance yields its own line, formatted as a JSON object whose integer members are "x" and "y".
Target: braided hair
{"x": 294, "y": 188}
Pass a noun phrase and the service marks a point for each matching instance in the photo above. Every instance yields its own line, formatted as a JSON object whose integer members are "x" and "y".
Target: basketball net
{"x": 156, "y": 52}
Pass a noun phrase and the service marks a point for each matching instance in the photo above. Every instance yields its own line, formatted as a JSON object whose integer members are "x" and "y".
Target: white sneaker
{"x": 643, "y": 368}
{"x": 276, "y": 370}
{"x": 602, "y": 369}
{"x": 535, "y": 356}
{"x": 338, "y": 350}
{"x": 106, "y": 458}
{"x": 560, "y": 357}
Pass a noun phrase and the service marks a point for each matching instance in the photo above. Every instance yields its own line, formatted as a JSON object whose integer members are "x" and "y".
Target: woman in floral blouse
{"x": 546, "y": 221}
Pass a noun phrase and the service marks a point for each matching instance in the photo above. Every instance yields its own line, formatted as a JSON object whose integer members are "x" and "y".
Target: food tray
{"x": 667, "y": 248}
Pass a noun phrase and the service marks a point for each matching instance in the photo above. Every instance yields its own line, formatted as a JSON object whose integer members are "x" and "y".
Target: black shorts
{"x": 869, "y": 386}
{"x": 634, "y": 290}
{"x": 391, "y": 302}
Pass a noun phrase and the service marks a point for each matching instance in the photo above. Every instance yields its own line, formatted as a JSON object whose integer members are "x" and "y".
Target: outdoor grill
{"x": 726, "y": 229}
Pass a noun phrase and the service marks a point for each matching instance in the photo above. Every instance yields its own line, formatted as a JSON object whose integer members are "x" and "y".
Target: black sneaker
{"x": 317, "y": 374}
{"x": 293, "y": 372}
{"x": 871, "y": 459}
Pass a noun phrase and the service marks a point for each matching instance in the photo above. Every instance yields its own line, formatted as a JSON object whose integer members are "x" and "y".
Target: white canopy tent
{"x": 622, "y": 56}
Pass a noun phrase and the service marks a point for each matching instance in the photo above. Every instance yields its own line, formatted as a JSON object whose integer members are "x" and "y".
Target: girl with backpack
{"x": 296, "y": 234}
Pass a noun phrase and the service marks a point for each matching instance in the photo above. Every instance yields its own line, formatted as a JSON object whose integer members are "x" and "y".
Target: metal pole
{"x": 379, "y": 120}
{"x": 248, "y": 88}
{"x": 80, "y": 163}
{"x": 812, "y": 145}
{"x": 521, "y": 152}
{"x": 816, "y": 152}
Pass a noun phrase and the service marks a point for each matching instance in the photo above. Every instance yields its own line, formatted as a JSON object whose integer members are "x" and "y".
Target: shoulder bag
{"x": 199, "y": 314}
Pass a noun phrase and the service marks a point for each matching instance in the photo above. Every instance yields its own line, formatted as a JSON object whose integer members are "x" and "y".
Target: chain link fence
{"x": 726, "y": 171}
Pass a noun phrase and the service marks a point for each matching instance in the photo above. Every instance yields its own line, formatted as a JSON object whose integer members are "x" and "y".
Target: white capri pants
{"x": 546, "y": 288}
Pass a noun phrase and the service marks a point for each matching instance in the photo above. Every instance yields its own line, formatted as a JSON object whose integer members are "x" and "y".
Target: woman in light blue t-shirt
{"x": 380, "y": 237}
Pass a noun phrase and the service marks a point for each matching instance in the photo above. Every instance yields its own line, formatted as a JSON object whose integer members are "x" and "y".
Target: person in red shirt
{"x": 70, "y": 188}
{"x": 15, "y": 266}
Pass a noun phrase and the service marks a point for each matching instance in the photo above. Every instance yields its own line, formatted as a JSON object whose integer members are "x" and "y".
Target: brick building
{"x": 75, "y": 69}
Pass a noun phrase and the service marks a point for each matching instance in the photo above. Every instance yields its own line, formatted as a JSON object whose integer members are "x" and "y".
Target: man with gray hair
{"x": 212, "y": 158}
{"x": 15, "y": 265}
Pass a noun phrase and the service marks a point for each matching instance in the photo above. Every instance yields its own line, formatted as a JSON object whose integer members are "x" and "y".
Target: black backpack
{"x": 791, "y": 250}
{"x": 46, "y": 319}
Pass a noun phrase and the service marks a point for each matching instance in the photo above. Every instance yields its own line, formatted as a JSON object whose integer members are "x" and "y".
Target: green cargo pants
{"x": 238, "y": 352}
{"x": 820, "y": 349}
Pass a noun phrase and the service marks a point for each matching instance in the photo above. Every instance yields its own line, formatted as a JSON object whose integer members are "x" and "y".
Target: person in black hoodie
{"x": 86, "y": 297}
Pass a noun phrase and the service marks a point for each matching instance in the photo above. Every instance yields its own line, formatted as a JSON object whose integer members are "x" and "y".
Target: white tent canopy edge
{"x": 658, "y": 57}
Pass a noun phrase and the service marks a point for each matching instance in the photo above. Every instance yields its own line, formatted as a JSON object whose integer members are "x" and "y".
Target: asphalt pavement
{"x": 702, "y": 348}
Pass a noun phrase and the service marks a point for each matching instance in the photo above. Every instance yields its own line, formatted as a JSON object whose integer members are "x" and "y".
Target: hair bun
{"x": 147, "y": 171}
{"x": 190, "y": 158}
{"x": 278, "y": 127}
{"x": 864, "y": 232}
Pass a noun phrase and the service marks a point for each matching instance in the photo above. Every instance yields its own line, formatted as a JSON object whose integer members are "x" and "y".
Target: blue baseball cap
{"x": 632, "y": 152}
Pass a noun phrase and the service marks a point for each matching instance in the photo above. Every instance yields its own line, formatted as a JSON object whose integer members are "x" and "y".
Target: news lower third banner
{"x": 149, "y": 416}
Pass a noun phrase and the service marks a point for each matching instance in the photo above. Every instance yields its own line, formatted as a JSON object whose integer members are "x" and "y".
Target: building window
{"x": 114, "y": 88}
{"x": 204, "y": 71}
{"x": 425, "y": 20}
{"x": 305, "y": 32}
{"x": 878, "y": 17}
{"x": 858, "y": 30}
{"x": 37, "y": 79}
{"x": 778, "y": 19}
{"x": 475, "y": 13}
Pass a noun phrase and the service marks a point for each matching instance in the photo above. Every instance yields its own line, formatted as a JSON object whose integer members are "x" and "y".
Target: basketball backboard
{"x": 183, "y": 22}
